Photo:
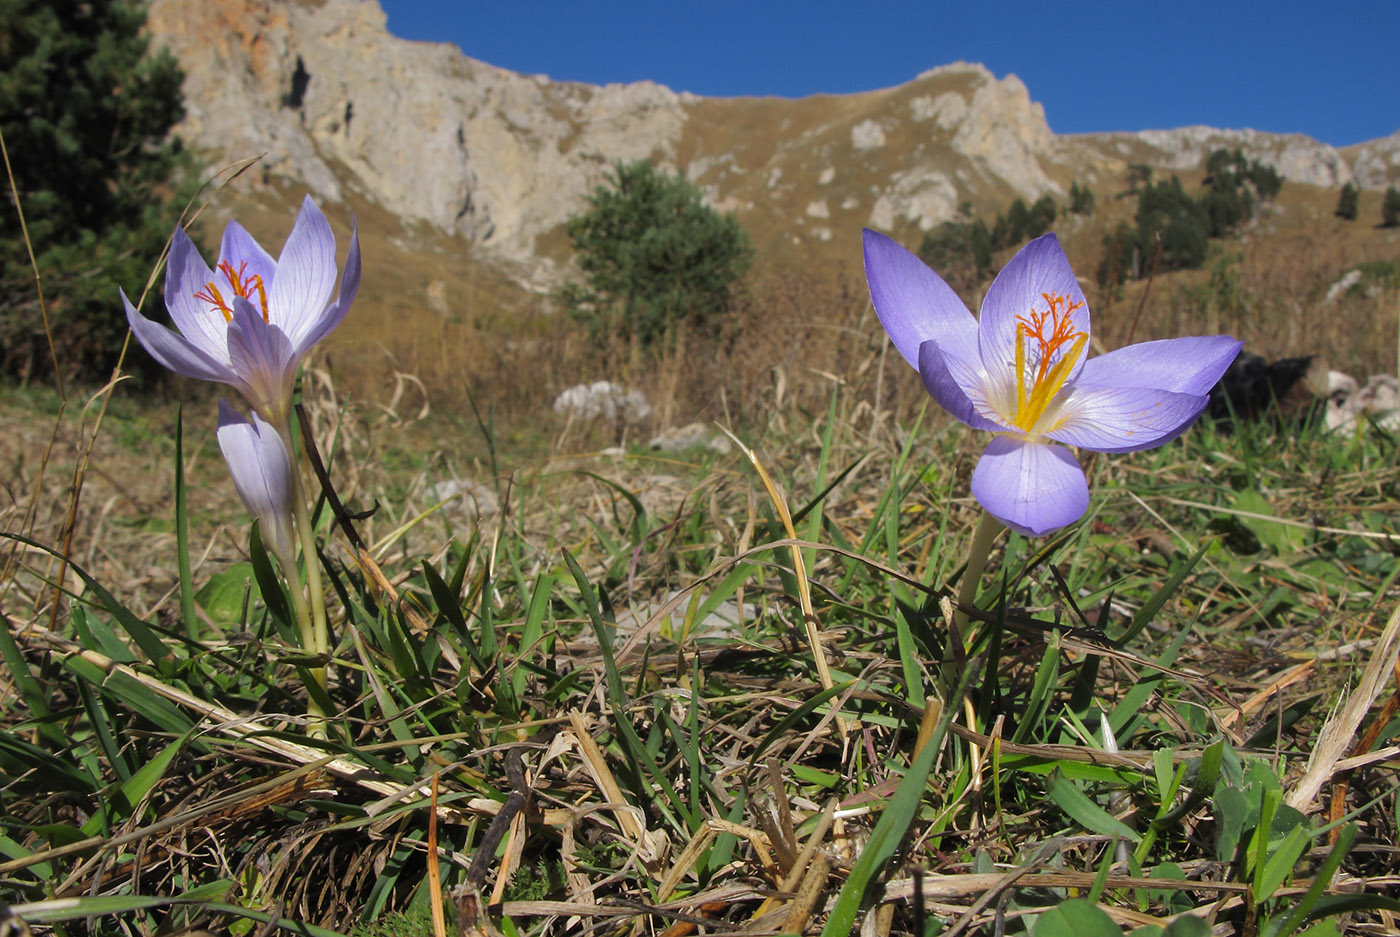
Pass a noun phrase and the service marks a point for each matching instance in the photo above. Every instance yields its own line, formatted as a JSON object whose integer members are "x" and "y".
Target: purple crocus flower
{"x": 1023, "y": 372}
{"x": 249, "y": 322}
{"x": 262, "y": 472}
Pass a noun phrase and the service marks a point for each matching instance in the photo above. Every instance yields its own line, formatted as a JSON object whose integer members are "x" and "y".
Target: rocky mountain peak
{"x": 498, "y": 158}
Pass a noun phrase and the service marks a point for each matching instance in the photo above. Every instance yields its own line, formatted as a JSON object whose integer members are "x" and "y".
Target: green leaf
{"x": 1188, "y": 925}
{"x": 1075, "y": 918}
{"x": 1231, "y": 812}
{"x": 1310, "y": 906}
{"x": 1152, "y": 606}
{"x": 1079, "y": 808}
{"x": 182, "y": 530}
{"x": 224, "y": 596}
{"x": 68, "y": 909}
{"x": 1280, "y": 863}
{"x": 29, "y": 688}
{"x": 1283, "y": 539}
{"x": 899, "y": 813}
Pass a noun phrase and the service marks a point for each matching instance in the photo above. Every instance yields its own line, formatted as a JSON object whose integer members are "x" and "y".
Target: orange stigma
{"x": 243, "y": 284}
{"x": 1050, "y": 375}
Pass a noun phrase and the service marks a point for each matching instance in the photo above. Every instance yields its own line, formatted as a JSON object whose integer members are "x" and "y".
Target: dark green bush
{"x": 86, "y": 115}
{"x": 1347, "y": 202}
{"x": 653, "y": 255}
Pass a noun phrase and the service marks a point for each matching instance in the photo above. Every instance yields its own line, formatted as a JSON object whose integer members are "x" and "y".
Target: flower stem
{"x": 314, "y": 631}
{"x": 987, "y": 529}
{"x": 316, "y": 727}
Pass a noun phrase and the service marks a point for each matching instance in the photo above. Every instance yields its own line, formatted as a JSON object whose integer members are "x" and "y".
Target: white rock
{"x": 947, "y": 110}
{"x": 690, "y": 436}
{"x": 925, "y": 197}
{"x": 605, "y": 401}
{"x": 867, "y": 135}
{"x": 1344, "y": 283}
{"x": 470, "y": 498}
{"x": 1347, "y": 405}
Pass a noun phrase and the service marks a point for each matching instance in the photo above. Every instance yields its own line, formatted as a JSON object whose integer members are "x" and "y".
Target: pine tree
{"x": 1081, "y": 199}
{"x": 1347, "y": 202}
{"x": 86, "y": 115}
{"x": 1390, "y": 208}
{"x": 653, "y": 254}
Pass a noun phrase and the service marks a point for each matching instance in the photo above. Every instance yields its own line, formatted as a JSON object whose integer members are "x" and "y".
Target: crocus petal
{"x": 239, "y": 248}
{"x": 305, "y": 276}
{"x": 1185, "y": 365}
{"x": 335, "y": 312}
{"x": 186, "y": 273}
{"x": 262, "y": 473}
{"x": 913, "y": 302}
{"x": 1031, "y": 487}
{"x": 173, "y": 350}
{"x": 262, "y": 356}
{"x": 937, "y": 372}
{"x": 1039, "y": 268}
{"x": 1124, "y": 419}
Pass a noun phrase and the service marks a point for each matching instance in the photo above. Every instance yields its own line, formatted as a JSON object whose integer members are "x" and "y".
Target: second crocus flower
{"x": 261, "y": 469}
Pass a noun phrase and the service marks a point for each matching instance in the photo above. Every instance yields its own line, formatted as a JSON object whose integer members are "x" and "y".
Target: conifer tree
{"x": 86, "y": 115}
{"x": 1347, "y": 202}
{"x": 1081, "y": 199}
{"x": 653, "y": 254}
{"x": 1390, "y": 208}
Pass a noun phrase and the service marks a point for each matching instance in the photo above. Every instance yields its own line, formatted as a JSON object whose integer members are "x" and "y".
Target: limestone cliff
{"x": 500, "y": 159}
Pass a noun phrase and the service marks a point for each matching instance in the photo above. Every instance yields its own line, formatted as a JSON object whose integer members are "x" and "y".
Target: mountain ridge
{"x": 502, "y": 160}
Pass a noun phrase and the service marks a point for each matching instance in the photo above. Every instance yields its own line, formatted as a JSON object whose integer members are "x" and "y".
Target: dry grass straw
{"x": 810, "y": 623}
{"x": 1339, "y": 731}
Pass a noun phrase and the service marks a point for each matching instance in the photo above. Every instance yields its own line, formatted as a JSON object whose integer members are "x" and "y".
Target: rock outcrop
{"x": 332, "y": 100}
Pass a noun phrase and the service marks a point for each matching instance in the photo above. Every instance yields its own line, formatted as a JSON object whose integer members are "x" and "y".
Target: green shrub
{"x": 1081, "y": 199}
{"x": 1390, "y": 208}
{"x": 86, "y": 116}
{"x": 653, "y": 255}
{"x": 1347, "y": 202}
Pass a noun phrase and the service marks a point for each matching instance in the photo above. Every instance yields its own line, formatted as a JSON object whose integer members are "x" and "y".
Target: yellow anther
{"x": 1051, "y": 373}
{"x": 243, "y": 287}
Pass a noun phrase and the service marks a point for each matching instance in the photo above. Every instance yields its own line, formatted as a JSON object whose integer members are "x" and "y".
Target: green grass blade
{"x": 889, "y": 831}
{"x": 182, "y": 531}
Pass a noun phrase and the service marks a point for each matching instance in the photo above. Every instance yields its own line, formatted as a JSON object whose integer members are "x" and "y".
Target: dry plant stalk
{"x": 1340, "y": 728}
{"x": 810, "y": 621}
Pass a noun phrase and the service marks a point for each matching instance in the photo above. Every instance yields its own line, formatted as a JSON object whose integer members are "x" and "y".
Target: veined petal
{"x": 1039, "y": 268}
{"x": 305, "y": 276}
{"x": 1030, "y": 487}
{"x": 335, "y": 313}
{"x": 946, "y": 379}
{"x": 263, "y": 359}
{"x": 913, "y": 302}
{"x": 174, "y": 351}
{"x": 1185, "y": 365}
{"x": 239, "y": 247}
{"x": 1124, "y": 419}
{"x": 186, "y": 273}
{"x": 262, "y": 473}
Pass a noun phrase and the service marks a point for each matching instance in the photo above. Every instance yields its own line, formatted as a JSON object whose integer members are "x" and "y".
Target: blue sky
{"x": 1328, "y": 70}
